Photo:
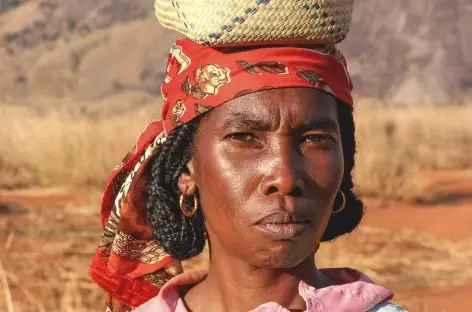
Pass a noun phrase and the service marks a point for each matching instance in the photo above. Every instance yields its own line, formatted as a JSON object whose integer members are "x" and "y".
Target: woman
{"x": 265, "y": 177}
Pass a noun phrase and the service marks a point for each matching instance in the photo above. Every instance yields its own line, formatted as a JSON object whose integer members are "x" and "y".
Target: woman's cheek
{"x": 326, "y": 168}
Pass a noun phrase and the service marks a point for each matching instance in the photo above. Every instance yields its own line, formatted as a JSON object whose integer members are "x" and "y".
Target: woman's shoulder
{"x": 387, "y": 307}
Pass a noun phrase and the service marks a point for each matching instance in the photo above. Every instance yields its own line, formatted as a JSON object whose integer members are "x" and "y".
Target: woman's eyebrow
{"x": 243, "y": 120}
{"x": 326, "y": 124}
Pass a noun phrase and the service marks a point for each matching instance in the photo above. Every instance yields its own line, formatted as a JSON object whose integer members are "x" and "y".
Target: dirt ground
{"x": 449, "y": 219}
{"x": 422, "y": 252}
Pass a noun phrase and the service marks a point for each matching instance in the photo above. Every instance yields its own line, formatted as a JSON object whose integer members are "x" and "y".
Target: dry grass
{"x": 59, "y": 147}
{"x": 401, "y": 257}
{"x": 59, "y": 293}
{"x": 43, "y": 148}
{"x": 396, "y": 146}
{"x": 45, "y": 253}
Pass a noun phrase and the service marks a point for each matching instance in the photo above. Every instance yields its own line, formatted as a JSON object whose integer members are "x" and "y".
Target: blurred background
{"x": 80, "y": 79}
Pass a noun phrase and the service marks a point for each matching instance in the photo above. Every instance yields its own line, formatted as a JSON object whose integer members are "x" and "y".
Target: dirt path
{"x": 450, "y": 299}
{"x": 450, "y": 219}
{"x": 56, "y": 197}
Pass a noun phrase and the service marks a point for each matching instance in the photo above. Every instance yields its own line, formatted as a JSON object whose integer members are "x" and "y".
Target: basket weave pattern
{"x": 229, "y": 22}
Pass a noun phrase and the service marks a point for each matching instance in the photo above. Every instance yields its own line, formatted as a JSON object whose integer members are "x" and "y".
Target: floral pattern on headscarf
{"x": 128, "y": 264}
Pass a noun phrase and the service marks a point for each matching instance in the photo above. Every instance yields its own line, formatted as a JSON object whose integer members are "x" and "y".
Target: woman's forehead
{"x": 293, "y": 103}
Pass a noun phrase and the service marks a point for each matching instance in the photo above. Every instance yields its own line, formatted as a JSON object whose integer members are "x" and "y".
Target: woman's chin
{"x": 282, "y": 255}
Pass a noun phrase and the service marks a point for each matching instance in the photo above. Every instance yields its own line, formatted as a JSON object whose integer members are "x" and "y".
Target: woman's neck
{"x": 234, "y": 285}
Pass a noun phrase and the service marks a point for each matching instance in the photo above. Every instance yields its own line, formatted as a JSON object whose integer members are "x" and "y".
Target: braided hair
{"x": 184, "y": 237}
{"x": 180, "y": 236}
{"x": 349, "y": 218}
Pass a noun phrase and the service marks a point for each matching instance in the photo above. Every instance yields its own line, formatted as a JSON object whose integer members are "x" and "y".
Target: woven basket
{"x": 231, "y": 22}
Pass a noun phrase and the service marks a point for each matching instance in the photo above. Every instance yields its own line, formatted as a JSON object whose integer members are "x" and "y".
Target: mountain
{"x": 6, "y": 5}
{"x": 404, "y": 52}
{"x": 408, "y": 51}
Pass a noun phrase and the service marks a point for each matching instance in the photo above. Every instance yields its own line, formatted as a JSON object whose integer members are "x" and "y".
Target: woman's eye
{"x": 318, "y": 138}
{"x": 242, "y": 136}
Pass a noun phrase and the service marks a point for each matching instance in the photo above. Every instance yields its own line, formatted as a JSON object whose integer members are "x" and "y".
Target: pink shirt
{"x": 356, "y": 293}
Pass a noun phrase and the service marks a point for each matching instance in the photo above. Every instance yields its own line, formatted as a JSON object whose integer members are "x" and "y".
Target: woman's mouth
{"x": 283, "y": 225}
{"x": 284, "y": 230}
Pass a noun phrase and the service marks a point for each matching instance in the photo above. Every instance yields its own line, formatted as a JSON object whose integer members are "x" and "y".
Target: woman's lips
{"x": 284, "y": 230}
{"x": 283, "y": 225}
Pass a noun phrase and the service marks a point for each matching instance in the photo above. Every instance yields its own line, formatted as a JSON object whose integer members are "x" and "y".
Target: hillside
{"x": 411, "y": 52}
{"x": 405, "y": 50}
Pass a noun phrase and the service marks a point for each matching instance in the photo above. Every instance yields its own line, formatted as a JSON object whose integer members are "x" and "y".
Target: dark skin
{"x": 271, "y": 152}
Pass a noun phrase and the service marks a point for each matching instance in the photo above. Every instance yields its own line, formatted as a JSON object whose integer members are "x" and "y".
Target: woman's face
{"x": 268, "y": 166}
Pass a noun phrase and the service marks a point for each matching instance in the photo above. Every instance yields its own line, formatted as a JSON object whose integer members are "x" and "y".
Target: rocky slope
{"x": 405, "y": 52}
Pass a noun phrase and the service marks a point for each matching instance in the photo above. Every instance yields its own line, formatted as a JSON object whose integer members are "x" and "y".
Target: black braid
{"x": 349, "y": 218}
{"x": 184, "y": 237}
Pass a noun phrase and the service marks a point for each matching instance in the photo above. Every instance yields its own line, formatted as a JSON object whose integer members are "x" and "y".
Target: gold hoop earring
{"x": 343, "y": 205}
{"x": 185, "y": 212}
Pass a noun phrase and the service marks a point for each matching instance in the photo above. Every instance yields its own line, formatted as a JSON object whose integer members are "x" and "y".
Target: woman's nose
{"x": 283, "y": 174}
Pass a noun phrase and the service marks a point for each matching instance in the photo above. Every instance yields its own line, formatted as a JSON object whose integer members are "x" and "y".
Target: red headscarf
{"x": 128, "y": 264}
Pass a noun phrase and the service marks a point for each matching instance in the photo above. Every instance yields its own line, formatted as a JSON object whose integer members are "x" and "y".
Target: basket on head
{"x": 258, "y": 22}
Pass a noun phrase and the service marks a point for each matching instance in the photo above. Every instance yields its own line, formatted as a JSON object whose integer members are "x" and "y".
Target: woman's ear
{"x": 186, "y": 182}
